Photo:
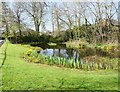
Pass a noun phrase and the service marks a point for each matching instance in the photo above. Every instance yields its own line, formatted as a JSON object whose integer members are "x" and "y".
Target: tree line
{"x": 92, "y": 21}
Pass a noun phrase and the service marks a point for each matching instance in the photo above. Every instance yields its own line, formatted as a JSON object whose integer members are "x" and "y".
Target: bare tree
{"x": 53, "y": 17}
{"x": 36, "y": 10}
{"x": 6, "y": 17}
{"x": 18, "y": 11}
{"x": 103, "y": 13}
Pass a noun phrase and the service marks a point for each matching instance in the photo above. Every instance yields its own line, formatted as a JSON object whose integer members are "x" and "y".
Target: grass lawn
{"x": 20, "y": 75}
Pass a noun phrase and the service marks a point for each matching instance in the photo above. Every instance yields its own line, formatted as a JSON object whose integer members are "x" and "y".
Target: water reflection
{"x": 65, "y": 53}
{"x": 83, "y": 59}
{"x": 60, "y": 50}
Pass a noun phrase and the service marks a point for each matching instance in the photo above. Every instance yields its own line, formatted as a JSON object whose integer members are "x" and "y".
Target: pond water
{"x": 88, "y": 58}
{"x": 65, "y": 53}
{"x": 60, "y": 50}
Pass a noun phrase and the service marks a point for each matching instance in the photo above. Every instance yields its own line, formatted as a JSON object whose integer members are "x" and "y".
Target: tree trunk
{"x": 7, "y": 28}
{"x": 85, "y": 21}
{"x": 58, "y": 25}
{"x": 19, "y": 25}
{"x": 79, "y": 22}
{"x": 37, "y": 27}
{"x": 20, "y": 30}
{"x": 53, "y": 28}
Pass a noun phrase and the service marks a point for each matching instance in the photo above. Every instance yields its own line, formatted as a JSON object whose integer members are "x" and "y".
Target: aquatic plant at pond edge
{"x": 88, "y": 63}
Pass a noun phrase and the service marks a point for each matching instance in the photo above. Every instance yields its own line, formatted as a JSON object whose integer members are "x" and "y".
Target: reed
{"x": 83, "y": 64}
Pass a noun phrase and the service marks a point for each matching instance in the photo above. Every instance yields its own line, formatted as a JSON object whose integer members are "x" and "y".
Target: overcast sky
{"x": 48, "y": 17}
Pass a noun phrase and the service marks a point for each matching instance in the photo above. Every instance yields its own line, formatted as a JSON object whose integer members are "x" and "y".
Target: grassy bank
{"x": 18, "y": 75}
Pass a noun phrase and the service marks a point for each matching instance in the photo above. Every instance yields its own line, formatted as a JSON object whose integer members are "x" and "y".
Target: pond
{"x": 60, "y": 50}
{"x": 87, "y": 58}
{"x": 65, "y": 53}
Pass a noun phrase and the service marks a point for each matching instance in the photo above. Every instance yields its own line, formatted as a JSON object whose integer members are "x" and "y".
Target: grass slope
{"x": 20, "y": 75}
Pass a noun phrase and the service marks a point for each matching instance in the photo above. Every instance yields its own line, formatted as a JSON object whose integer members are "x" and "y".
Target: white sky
{"x": 48, "y": 17}
{"x": 57, "y": 0}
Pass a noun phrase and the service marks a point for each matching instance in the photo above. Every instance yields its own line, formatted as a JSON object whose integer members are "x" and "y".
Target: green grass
{"x": 20, "y": 75}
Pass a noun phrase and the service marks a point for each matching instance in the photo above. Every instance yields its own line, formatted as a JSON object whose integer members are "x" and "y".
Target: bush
{"x": 31, "y": 38}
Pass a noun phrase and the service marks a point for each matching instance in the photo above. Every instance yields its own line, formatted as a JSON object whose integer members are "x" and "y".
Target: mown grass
{"x": 20, "y": 75}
